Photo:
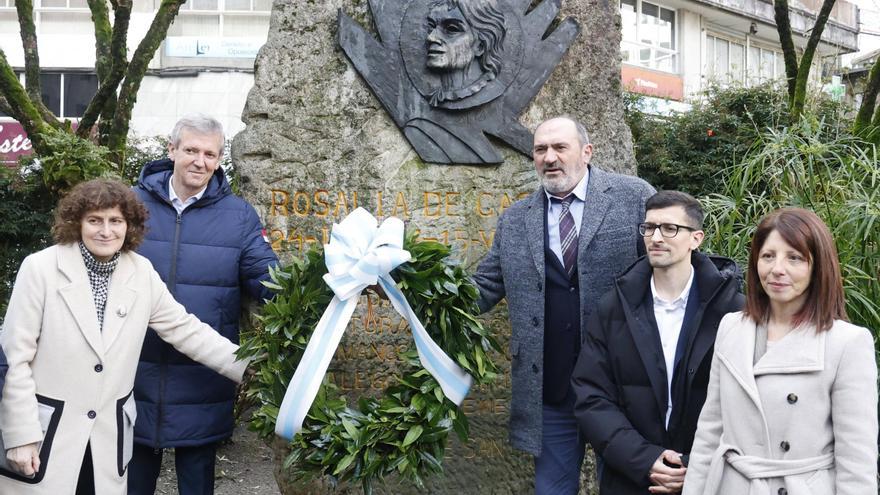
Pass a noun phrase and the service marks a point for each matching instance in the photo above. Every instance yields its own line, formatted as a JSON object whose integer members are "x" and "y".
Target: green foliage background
{"x": 687, "y": 151}
{"x": 811, "y": 165}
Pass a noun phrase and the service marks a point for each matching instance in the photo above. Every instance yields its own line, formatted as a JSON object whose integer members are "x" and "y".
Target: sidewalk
{"x": 244, "y": 467}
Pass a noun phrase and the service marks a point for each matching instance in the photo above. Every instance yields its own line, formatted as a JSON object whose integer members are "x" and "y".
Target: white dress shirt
{"x": 577, "y": 213}
{"x": 175, "y": 200}
{"x": 670, "y": 316}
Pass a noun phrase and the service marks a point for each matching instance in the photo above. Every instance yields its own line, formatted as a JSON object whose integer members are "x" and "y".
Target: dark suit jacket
{"x": 514, "y": 268}
{"x": 620, "y": 377}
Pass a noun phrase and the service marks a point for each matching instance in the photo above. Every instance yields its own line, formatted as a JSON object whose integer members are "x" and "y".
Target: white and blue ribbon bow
{"x": 360, "y": 254}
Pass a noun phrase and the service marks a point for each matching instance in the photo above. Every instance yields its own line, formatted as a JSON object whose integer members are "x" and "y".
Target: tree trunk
{"x": 789, "y": 53}
{"x": 798, "y": 72}
{"x": 113, "y": 73}
{"x": 118, "y": 134}
{"x": 19, "y": 105}
{"x": 869, "y": 101}
{"x": 800, "y": 91}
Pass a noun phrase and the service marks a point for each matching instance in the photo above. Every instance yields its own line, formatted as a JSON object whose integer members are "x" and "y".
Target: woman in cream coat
{"x": 73, "y": 333}
{"x": 792, "y": 399}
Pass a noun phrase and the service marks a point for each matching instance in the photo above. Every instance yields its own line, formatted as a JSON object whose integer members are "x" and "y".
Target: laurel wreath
{"x": 404, "y": 431}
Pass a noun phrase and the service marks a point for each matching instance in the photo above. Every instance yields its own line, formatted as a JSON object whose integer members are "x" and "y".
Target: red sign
{"x": 13, "y": 142}
{"x": 652, "y": 83}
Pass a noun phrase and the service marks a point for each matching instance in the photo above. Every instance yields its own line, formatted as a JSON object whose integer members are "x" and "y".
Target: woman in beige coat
{"x": 792, "y": 399}
{"x": 73, "y": 333}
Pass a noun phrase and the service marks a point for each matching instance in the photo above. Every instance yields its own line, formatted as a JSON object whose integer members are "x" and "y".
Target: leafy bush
{"x": 72, "y": 160}
{"x": 813, "y": 166}
{"x": 26, "y": 209}
{"x": 686, "y": 151}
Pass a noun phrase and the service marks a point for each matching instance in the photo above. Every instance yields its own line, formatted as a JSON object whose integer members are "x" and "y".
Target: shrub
{"x": 812, "y": 166}
{"x": 26, "y": 209}
{"x": 687, "y": 151}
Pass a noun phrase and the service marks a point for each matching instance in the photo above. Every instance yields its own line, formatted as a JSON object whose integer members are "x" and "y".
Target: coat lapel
{"x": 78, "y": 295}
{"x": 738, "y": 359}
{"x": 595, "y": 205}
{"x": 120, "y": 300}
{"x": 643, "y": 328}
{"x": 800, "y": 351}
{"x": 535, "y": 217}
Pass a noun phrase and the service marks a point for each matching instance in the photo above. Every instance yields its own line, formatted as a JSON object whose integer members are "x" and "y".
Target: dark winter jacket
{"x": 3, "y": 367}
{"x": 620, "y": 377}
{"x": 207, "y": 256}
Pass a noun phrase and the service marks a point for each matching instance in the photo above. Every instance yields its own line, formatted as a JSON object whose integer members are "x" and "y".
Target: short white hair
{"x": 200, "y": 124}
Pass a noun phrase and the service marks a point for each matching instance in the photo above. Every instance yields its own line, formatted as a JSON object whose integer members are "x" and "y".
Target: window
{"x": 649, "y": 35}
{"x": 67, "y": 91}
{"x": 64, "y": 4}
{"x": 725, "y": 60}
{"x": 737, "y": 61}
{"x": 222, "y": 18}
{"x": 68, "y": 94}
{"x": 764, "y": 65}
{"x": 222, "y": 5}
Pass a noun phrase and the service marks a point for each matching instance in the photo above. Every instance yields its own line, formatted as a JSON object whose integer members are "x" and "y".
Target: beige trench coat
{"x": 59, "y": 357}
{"x": 800, "y": 421}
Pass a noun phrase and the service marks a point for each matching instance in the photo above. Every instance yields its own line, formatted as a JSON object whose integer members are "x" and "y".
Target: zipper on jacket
{"x": 163, "y": 362}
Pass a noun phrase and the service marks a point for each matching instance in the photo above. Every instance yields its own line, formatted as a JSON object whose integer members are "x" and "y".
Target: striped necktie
{"x": 568, "y": 235}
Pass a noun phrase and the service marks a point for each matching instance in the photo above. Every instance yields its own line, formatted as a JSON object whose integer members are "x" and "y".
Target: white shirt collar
{"x": 175, "y": 199}
{"x": 580, "y": 189}
{"x": 678, "y": 302}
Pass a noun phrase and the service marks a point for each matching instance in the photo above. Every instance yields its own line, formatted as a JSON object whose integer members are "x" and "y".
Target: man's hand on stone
{"x": 668, "y": 476}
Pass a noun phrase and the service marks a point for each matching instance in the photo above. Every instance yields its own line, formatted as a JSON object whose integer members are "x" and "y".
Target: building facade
{"x": 205, "y": 64}
{"x": 673, "y": 49}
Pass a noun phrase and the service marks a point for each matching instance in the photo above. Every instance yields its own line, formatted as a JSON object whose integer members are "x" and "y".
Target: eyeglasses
{"x": 666, "y": 229}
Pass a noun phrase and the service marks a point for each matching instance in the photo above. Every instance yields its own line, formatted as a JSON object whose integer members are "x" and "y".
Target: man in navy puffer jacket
{"x": 208, "y": 246}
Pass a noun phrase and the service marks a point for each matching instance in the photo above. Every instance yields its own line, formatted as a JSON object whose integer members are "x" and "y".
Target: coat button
{"x": 782, "y": 491}
{"x": 121, "y": 311}
{"x": 784, "y": 446}
{"x": 691, "y": 371}
{"x": 535, "y": 368}
{"x": 571, "y": 289}
{"x": 92, "y": 414}
{"x": 792, "y": 398}
{"x": 99, "y": 368}
{"x": 535, "y": 321}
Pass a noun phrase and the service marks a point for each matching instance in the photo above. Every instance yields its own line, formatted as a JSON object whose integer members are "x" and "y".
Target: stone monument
{"x": 322, "y": 140}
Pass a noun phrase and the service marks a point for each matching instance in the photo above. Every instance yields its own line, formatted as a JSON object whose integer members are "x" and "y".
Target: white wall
{"x": 162, "y": 100}
{"x": 691, "y": 51}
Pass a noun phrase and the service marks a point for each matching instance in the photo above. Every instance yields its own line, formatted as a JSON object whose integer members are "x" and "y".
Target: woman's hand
{"x": 24, "y": 459}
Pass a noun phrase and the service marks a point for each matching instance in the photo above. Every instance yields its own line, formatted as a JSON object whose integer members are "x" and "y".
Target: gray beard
{"x": 556, "y": 186}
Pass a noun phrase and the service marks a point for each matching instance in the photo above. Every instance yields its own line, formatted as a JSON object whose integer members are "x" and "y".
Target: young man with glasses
{"x": 640, "y": 380}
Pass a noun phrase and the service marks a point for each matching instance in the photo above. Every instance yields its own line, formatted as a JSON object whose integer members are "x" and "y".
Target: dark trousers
{"x": 85, "y": 485}
{"x": 558, "y": 468}
{"x": 194, "y": 465}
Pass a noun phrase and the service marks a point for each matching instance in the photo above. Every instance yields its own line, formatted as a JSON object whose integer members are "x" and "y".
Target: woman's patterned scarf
{"x": 99, "y": 279}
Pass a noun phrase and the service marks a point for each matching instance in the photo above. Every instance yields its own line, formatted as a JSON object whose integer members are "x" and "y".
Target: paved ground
{"x": 244, "y": 467}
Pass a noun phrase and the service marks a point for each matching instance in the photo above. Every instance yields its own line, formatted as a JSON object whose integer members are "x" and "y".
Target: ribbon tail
{"x": 306, "y": 381}
{"x": 453, "y": 380}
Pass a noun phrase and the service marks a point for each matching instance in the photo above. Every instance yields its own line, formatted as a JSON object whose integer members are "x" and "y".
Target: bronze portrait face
{"x": 452, "y": 43}
{"x": 451, "y": 72}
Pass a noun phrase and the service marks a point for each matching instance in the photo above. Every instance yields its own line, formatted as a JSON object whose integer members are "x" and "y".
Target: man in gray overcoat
{"x": 553, "y": 256}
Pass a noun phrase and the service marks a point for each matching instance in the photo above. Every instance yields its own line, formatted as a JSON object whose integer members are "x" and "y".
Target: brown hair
{"x": 94, "y": 195}
{"x": 804, "y": 231}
